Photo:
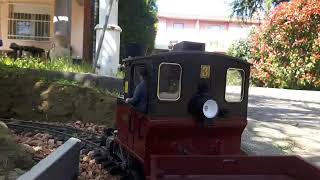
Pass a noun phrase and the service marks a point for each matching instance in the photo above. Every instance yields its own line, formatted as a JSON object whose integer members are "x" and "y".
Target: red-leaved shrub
{"x": 286, "y": 48}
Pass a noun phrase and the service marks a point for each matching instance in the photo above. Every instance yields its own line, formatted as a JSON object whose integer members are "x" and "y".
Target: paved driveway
{"x": 283, "y": 122}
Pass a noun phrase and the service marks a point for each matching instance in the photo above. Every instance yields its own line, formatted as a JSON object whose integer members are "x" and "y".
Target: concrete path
{"x": 283, "y": 122}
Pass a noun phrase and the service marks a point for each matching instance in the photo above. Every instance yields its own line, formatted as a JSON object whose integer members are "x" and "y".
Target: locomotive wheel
{"x": 125, "y": 165}
{"x": 133, "y": 175}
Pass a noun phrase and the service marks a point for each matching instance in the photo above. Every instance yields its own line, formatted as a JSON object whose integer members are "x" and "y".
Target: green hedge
{"x": 138, "y": 19}
{"x": 240, "y": 49}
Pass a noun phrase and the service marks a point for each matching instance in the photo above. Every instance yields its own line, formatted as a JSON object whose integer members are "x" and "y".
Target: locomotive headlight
{"x": 210, "y": 109}
{"x": 203, "y": 108}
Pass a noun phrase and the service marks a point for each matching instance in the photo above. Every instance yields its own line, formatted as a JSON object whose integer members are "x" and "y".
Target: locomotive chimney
{"x": 189, "y": 46}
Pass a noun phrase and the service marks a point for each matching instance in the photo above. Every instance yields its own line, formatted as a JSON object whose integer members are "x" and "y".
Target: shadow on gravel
{"x": 277, "y": 127}
{"x": 297, "y": 113}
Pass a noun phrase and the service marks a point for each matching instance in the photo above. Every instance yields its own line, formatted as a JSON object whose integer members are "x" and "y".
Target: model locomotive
{"x": 195, "y": 114}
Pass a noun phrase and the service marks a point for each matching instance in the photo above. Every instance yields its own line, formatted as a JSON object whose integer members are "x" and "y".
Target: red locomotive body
{"x": 185, "y": 131}
{"x": 144, "y": 136}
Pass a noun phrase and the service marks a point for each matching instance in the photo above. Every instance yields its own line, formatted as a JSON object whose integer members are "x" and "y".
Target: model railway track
{"x": 90, "y": 141}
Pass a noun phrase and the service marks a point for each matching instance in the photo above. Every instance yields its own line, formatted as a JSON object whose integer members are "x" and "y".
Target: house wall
{"x": 77, "y": 23}
{"x": 204, "y": 24}
{"x": 4, "y": 15}
{"x": 217, "y": 34}
{"x": 188, "y": 24}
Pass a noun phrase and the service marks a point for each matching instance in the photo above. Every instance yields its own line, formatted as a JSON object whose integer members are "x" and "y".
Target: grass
{"x": 7, "y": 71}
{"x": 62, "y": 65}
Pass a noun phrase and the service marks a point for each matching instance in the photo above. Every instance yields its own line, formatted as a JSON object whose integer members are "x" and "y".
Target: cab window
{"x": 234, "y": 85}
{"x": 169, "y": 81}
{"x": 135, "y": 77}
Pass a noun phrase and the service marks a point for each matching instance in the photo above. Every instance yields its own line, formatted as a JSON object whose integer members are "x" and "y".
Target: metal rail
{"x": 88, "y": 139}
{"x": 54, "y": 126}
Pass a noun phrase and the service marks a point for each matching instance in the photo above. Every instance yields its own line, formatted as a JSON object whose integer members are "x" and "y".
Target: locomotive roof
{"x": 172, "y": 53}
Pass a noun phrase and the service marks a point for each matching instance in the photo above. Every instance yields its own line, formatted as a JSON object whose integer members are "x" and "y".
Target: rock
{"x": 3, "y": 125}
{"x": 92, "y": 162}
{"x": 28, "y": 148}
{"x": 28, "y": 134}
{"x": 39, "y": 156}
{"x": 95, "y": 128}
{"x": 13, "y": 155}
{"x": 45, "y": 136}
{"x": 90, "y": 173}
{"x": 84, "y": 152}
{"x": 81, "y": 178}
{"x": 83, "y": 173}
{"x": 37, "y": 148}
{"x": 38, "y": 135}
{"x": 86, "y": 159}
{"x": 35, "y": 142}
{"x": 15, "y": 174}
{"x": 91, "y": 154}
{"x": 51, "y": 142}
{"x": 59, "y": 143}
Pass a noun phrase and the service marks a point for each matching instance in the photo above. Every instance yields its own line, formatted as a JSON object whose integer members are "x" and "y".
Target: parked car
{"x": 1, "y": 43}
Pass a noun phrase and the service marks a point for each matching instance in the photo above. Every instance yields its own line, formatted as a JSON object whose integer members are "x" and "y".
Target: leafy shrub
{"x": 240, "y": 49}
{"x": 138, "y": 19}
{"x": 63, "y": 65}
{"x": 286, "y": 47}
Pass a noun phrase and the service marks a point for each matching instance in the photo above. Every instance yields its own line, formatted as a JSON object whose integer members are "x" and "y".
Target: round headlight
{"x": 210, "y": 109}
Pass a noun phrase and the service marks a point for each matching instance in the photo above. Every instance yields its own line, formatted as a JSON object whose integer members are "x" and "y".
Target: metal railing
{"x": 29, "y": 25}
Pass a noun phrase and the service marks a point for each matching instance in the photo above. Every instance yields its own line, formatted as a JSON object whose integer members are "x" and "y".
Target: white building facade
{"x": 218, "y": 33}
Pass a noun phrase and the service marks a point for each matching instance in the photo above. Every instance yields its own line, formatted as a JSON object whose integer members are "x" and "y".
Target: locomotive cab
{"x": 175, "y": 77}
{"x": 196, "y": 105}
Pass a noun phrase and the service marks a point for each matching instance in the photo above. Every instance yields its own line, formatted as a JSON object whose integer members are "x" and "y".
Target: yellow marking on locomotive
{"x": 126, "y": 86}
{"x": 205, "y": 72}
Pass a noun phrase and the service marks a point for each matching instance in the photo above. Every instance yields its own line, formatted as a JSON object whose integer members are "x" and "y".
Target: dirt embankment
{"x": 29, "y": 97}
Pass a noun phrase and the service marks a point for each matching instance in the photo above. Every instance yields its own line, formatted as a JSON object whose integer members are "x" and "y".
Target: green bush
{"x": 240, "y": 49}
{"x": 138, "y": 19}
{"x": 63, "y": 65}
